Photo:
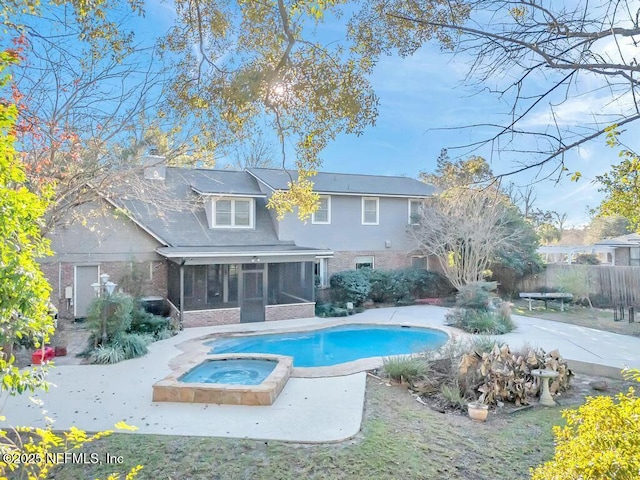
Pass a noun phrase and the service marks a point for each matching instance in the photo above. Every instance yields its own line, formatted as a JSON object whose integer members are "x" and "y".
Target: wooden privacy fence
{"x": 621, "y": 285}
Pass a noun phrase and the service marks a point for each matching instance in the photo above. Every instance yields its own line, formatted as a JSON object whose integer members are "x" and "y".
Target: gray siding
{"x": 346, "y": 232}
{"x": 104, "y": 238}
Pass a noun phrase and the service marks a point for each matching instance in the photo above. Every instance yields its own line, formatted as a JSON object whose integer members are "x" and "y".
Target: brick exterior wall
{"x": 60, "y": 275}
{"x": 289, "y": 312}
{"x": 207, "y": 318}
{"x": 383, "y": 260}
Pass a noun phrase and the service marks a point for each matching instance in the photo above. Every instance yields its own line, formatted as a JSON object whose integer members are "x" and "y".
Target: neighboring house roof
{"x": 347, "y": 184}
{"x": 630, "y": 240}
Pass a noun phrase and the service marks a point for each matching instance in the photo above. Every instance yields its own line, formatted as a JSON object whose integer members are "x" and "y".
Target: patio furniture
{"x": 618, "y": 313}
{"x": 545, "y": 297}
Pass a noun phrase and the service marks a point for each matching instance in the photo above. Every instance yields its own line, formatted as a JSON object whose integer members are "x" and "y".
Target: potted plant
{"x": 478, "y": 411}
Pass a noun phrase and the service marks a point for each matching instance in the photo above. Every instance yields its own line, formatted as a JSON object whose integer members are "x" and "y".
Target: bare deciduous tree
{"x": 257, "y": 153}
{"x": 576, "y": 59}
{"x": 465, "y": 229}
{"x": 83, "y": 112}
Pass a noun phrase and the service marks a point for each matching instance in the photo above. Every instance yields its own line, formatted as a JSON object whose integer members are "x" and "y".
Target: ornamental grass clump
{"x": 479, "y": 311}
{"x": 601, "y": 440}
{"x": 405, "y": 369}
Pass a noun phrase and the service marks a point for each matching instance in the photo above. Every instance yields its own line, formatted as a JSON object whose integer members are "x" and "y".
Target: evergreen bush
{"x": 349, "y": 286}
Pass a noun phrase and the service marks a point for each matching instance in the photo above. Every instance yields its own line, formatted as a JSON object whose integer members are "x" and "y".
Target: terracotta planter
{"x": 478, "y": 411}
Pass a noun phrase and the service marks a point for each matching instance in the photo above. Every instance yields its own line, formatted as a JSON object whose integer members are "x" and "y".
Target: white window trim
{"x": 373, "y": 261}
{"x": 377, "y": 200}
{"x": 410, "y": 201}
{"x": 233, "y": 200}
{"x": 323, "y": 272}
{"x": 313, "y": 215}
{"x": 421, "y": 256}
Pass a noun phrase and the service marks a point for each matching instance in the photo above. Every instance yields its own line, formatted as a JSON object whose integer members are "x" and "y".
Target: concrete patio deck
{"x": 95, "y": 397}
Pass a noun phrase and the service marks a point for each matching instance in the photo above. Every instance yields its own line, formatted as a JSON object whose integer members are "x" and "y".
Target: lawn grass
{"x": 400, "y": 439}
{"x": 600, "y": 319}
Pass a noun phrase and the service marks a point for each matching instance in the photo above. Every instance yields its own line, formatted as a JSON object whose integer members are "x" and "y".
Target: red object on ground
{"x": 429, "y": 301}
{"x": 37, "y": 356}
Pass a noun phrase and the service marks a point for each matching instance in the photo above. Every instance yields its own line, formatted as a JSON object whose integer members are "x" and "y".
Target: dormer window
{"x": 233, "y": 213}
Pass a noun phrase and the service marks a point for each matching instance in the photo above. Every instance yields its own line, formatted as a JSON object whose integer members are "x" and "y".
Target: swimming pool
{"x": 335, "y": 345}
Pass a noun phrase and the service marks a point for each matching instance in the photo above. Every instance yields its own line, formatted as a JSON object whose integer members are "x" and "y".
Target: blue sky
{"x": 423, "y": 94}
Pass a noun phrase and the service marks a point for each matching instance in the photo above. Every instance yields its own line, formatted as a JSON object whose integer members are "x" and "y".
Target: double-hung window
{"x": 370, "y": 213}
{"x": 415, "y": 207}
{"x": 323, "y": 213}
{"x": 233, "y": 213}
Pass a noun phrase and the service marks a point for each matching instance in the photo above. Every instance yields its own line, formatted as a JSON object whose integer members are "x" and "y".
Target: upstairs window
{"x": 233, "y": 213}
{"x": 323, "y": 213}
{"x": 415, "y": 212}
{"x": 370, "y": 214}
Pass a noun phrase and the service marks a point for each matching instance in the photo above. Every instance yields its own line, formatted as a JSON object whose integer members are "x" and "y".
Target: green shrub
{"x": 480, "y": 321}
{"x": 145, "y": 322}
{"x": 453, "y": 396}
{"x": 379, "y": 281}
{"x": 119, "y": 308}
{"x": 427, "y": 283}
{"x": 133, "y": 345}
{"x": 323, "y": 309}
{"x": 600, "y": 441}
{"x": 107, "y": 354}
{"x": 403, "y": 368}
{"x": 476, "y": 295}
{"x": 164, "y": 334}
{"x": 483, "y": 344}
{"x": 349, "y": 286}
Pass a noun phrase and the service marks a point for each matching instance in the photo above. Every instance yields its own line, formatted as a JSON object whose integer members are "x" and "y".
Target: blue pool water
{"x": 331, "y": 346}
{"x": 231, "y": 372}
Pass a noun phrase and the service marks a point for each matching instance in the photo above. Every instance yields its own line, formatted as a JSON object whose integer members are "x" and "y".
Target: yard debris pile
{"x": 506, "y": 376}
{"x": 489, "y": 373}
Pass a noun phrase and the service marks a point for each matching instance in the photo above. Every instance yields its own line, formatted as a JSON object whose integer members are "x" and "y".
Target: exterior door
{"x": 253, "y": 301}
{"x": 85, "y": 275}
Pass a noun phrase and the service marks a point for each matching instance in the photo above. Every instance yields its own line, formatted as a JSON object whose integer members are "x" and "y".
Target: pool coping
{"x": 196, "y": 348}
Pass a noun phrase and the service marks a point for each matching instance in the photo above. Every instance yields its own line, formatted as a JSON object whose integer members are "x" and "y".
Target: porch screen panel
{"x": 232, "y": 283}
{"x": 215, "y": 284}
{"x": 173, "y": 290}
{"x": 290, "y": 282}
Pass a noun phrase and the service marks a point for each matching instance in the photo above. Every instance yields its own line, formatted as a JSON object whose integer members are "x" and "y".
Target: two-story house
{"x": 205, "y": 241}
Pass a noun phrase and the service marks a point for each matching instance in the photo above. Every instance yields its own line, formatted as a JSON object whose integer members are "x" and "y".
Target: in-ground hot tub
{"x": 240, "y": 379}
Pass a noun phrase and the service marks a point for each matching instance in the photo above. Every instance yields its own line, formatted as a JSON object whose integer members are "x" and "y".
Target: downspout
{"x": 182, "y": 292}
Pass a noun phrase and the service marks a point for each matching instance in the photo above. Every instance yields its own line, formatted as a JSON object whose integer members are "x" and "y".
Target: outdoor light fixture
{"x": 104, "y": 289}
{"x": 255, "y": 259}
